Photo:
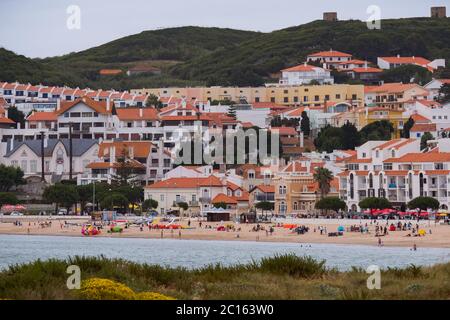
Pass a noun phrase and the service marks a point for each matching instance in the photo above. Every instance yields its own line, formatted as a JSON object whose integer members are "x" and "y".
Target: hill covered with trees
{"x": 214, "y": 56}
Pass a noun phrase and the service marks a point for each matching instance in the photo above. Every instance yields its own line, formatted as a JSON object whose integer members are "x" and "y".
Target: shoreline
{"x": 344, "y": 244}
{"x": 440, "y": 237}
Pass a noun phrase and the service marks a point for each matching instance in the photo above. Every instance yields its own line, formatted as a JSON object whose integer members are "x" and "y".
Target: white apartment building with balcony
{"x": 396, "y": 170}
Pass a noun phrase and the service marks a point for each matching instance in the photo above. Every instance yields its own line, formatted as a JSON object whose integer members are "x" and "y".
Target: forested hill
{"x": 214, "y": 56}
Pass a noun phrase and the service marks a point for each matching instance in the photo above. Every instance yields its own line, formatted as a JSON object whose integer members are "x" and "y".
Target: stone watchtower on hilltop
{"x": 438, "y": 12}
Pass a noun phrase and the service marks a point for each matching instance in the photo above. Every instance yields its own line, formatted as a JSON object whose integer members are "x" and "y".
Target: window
{"x": 295, "y": 206}
{"x": 251, "y": 175}
{"x": 286, "y": 99}
{"x": 161, "y": 197}
{"x": 24, "y": 165}
{"x": 393, "y": 153}
{"x": 33, "y": 166}
{"x": 272, "y": 99}
{"x": 316, "y": 98}
{"x": 387, "y": 166}
{"x": 282, "y": 189}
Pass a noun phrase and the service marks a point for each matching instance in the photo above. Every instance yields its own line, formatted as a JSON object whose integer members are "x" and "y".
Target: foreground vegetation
{"x": 280, "y": 277}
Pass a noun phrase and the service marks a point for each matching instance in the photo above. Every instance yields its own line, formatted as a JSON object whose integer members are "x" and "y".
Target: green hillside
{"x": 214, "y": 56}
{"x": 259, "y": 57}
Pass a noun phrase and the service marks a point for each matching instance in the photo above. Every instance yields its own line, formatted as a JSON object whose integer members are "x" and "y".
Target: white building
{"x": 196, "y": 192}
{"x": 27, "y": 155}
{"x": 396, "y": 170}
{"x": 434, "y": 86}
{"x": 330, "y": 58}
{"x": 394, "y": 62}
{"x": 305, "y": 74}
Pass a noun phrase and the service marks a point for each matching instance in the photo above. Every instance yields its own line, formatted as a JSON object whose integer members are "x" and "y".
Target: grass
{"x": 280, "y": 277}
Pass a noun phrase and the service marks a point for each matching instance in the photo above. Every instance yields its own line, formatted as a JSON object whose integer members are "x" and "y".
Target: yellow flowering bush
{"x": 105, "y": 289}
{"x": 152, "y": 296}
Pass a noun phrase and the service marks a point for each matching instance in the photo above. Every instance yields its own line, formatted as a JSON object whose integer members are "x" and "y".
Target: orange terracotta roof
{"x": 366, "y": 70}
{"x": 43, "y": 116}
{"x": 224, "y": 198}
{"x": 423, "y": 127}
{"x": 390, "y": 88}
{"x": 106, "y": 165}
{"x": 284, "y": 131}
{"x": 4, "y": 120}
{"x": 422, "y": 157}
{"x": 134, "y": 114}
{"x": 97, "y": 106}
{"x": 420, "y": 119}
{"x": 186, "y": 118}
{"x": 232, "y": 186}
{"x": 140, "y": 149}
{"x": 174, "y": 183}
{"x": 437, "y": 172}
{"x": 407, "y": 60}
{"x": 265, "y": 188}
{"x": 330, "y": 53}
{"x": 301, "y": 68}
{"x": 108, "y": 72}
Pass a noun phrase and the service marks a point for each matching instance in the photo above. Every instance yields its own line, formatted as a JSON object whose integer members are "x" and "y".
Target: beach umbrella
{"x": 422, "y": 232}
{"x": 341, "y": 229}
{"x": 8, "y": 207}
{"x": 20, "y": 207}
{"x": 424, "y": 214}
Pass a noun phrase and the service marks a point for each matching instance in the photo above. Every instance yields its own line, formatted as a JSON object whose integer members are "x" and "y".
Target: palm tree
{"x": 323, "y": 176}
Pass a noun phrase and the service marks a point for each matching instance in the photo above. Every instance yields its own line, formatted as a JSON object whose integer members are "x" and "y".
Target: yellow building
{"x": 314, "y": 95}
{"x": 368, "y": 115}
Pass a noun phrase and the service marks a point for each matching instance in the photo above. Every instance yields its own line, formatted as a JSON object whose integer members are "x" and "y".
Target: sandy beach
{"x": 437, "y": 236}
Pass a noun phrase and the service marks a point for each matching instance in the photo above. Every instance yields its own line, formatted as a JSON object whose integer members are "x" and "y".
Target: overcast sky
{"x": 38, "y": 28}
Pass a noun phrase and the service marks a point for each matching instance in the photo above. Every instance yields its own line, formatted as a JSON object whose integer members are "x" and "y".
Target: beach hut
{"x": 217, "y": 215}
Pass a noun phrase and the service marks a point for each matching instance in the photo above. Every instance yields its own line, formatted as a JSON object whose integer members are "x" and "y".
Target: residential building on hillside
{"x": 430, "y": 112}
{"x": 330, "y": 59}
{"x": 394, "y": 62}
{"x": 393, "y": 95}
{"x": 305, "y": 74}
{"x": 434, "y": 86}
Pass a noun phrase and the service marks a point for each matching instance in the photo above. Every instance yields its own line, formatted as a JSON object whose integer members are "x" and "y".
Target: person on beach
{"x": 179, "y": 234}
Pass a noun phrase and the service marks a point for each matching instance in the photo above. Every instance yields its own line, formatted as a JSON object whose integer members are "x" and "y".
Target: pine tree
{"x": 305, "y": 125}
{"x": 232, "y": 111}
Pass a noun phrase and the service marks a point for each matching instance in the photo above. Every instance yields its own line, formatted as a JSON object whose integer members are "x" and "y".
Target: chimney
{"x": 108, "y": 104}
{"x": 11, "y": 145}
{"x": 302, "y": 139}
{"x": 6, "y": 113}
{"x": 58, "y": 104}
{"x": 141, "y": 112}
{"x": 398, "y": 56}
{"x": 45, "y": 142}
{"x": 365, "y": 64}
